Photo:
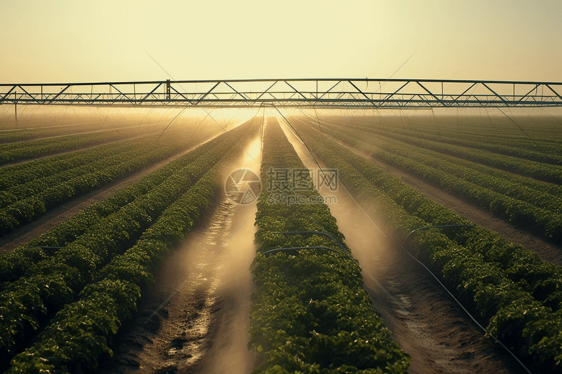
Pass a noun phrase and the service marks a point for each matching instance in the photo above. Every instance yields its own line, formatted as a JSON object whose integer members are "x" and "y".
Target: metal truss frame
{"x": 302, "y": 93}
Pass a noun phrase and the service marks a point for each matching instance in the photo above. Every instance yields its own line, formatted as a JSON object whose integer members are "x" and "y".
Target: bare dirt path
{"x": 68, "y": 210}
{"x": 423, "y": 319}
{"x": 194, "y": 319}
{"x": 546, "y": 251}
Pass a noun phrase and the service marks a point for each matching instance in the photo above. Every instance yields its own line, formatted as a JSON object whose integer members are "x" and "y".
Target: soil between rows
{"x": 194, "y": 318}
{"x": 72, "y": 207}
{"x": 47, "y": 155}
{"x": 203, "y": 328}
{"x": 546, "y": 251}
{"x": 424, "y": 320}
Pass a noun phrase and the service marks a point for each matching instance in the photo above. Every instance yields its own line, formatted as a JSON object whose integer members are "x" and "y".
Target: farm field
{"x": 527, "y": 203}
{"x": 123, "y": 250}
{"x": 475, "y": 260}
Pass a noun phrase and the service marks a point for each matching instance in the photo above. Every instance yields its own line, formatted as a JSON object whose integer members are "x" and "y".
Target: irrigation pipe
{"x": 450, "y": 294}
{"x": 311, "y": 232}
{"x": 434, "y": 276}
{"x": 433, "y": 227}
{"x": 345, "y": 252}
{"x": 303, "y": 142}
{"x": 374, "y": 224}
{"x": 296, "y": 249}
{"x": 425, "y": 267}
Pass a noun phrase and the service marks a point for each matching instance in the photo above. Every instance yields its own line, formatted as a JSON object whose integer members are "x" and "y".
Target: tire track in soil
{"x": 66, "y": 211}
{"x": 546, "y": 251}
{"x": 204, "y": 327}
{"x": 433, "y": 330}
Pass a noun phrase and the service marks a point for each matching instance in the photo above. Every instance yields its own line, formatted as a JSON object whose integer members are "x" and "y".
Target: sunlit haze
{"x": 79, "y": 41}
{"x": 280, "y": 186}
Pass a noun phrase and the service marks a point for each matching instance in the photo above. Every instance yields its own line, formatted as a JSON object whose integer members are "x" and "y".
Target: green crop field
{"x": 92, "y": 217}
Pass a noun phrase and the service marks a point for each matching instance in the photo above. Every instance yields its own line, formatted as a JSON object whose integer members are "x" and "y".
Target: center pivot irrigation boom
{"x": 302, "y": 93}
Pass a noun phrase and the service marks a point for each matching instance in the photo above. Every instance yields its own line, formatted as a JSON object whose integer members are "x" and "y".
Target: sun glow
{"x": 68, "y": 41}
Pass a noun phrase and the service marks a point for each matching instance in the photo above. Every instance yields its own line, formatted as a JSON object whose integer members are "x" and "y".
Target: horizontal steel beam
{"x": 305, "y": 93}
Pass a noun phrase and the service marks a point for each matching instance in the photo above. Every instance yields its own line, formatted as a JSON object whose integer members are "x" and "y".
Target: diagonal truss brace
{"x": 302, "y": 93}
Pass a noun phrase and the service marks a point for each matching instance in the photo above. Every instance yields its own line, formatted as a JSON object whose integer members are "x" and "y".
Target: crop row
{"x": 524, "y": 148}
{"x": 81, "y": 331}
{"x": 459, "y": 167}
{"x": 55, "y": 281}
{"x": 391, "y": 183}
{"x": 23, "y": 191}
{"x": 364, "y": 141}
{"x": 536, "y": 131}
{"x": 513, "y": 290}
{"x": 13, "y": 176}
{"x": 13, "y": 265}
{"x": 26, "y": 134}
{"x": 31, "y": 207}
{"x": 96, "y": 160}
{"x": 533, "y": 169}
{"x": 43, "y": 147}
{"x": 310, "y": 312}
{"x": 533, "y": 210}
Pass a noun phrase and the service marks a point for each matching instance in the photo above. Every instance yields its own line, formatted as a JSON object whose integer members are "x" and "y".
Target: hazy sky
{"x": 79, "y": 41}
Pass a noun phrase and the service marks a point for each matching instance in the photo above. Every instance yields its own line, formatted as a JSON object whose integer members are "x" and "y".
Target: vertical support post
{"x": 167, "y": 89}
{"x": 16, "y": 111}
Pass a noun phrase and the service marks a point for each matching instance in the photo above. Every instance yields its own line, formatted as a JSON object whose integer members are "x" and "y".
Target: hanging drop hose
{"x": 519, "y": 127}
{"x": 433, "y": 227}
{"x": 303, "y": 142}
{"x": 348, "y": 253}
{"x": 412, "y": 256}
{"x": 452, "y": 296}
{"x": 296, "y": 248}
{"x": 312, "y": 233}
